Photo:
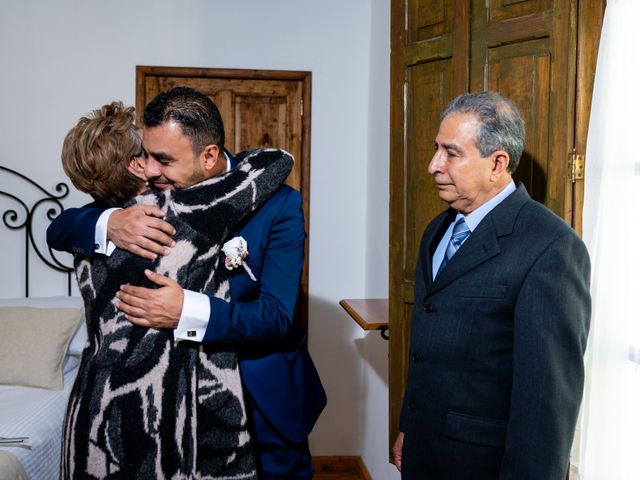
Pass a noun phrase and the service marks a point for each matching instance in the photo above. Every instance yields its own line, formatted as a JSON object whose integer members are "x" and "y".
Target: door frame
{"x": 590, "y": 19}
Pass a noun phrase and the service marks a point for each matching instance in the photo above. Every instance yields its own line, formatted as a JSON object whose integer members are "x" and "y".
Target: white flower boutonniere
{"x": 236, "y": 251}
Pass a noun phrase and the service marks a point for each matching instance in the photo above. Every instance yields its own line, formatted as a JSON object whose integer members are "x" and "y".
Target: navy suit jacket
{"x": 496, "y": 356}
{"x": 275, "y": 366}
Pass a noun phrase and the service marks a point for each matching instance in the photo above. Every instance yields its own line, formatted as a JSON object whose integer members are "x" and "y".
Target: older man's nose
{"x": 436, "y": 163}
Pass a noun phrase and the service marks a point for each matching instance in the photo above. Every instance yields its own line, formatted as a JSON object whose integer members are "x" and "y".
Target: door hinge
{"x": 576, "y": 166}
{"x": 301, "y": 107}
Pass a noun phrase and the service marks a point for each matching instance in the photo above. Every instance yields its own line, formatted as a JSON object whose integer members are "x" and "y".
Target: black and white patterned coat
{"x": 144, "y": 406}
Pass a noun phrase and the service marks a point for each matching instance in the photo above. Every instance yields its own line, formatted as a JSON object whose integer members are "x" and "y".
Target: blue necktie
{"x": 459, "y": 235}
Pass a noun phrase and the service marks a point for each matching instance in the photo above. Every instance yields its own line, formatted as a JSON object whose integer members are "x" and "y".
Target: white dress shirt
{"x": 195, "y": 308}
{"x": 472, "y": 220}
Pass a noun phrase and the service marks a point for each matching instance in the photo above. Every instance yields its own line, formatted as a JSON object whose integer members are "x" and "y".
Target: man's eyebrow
{"x": 161, "y": 156}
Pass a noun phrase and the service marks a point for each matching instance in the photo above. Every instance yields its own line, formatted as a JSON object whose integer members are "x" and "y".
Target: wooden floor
{"x": 335, "y": 476}
{"x": 339, "y": 468}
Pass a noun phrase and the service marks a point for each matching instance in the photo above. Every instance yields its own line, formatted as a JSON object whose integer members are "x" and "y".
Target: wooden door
{"x": 531, "y": 51}
{"x": 259, "y": 109}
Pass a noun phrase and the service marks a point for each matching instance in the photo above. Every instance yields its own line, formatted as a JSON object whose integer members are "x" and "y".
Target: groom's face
{"x": 172, "y": 163}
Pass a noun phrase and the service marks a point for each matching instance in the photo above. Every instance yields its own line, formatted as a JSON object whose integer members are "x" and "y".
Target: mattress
{"x": 38, "y": 414}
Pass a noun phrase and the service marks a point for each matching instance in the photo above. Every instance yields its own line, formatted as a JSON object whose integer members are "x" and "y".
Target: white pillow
{"x": 33, "y": 344}
{"x": 79, "y": 340}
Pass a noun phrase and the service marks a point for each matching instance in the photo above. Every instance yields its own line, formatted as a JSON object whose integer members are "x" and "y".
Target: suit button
{"x": 417, "y": 357}
{"x": 412, "y": 406}
{"x": 428, "y": 308}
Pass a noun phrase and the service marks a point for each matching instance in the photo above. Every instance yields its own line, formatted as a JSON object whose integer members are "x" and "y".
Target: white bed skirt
{"x": 37, "y": 414}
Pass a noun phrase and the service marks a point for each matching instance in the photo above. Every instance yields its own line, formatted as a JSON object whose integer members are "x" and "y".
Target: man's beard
{"x": 196, "y": 177}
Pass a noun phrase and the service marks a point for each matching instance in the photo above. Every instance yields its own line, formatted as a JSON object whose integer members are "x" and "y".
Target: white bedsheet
{"x": 38, "y": 414}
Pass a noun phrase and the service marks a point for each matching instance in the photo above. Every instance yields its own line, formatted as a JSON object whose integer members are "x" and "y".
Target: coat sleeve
{"x": 73, "y": 230}
{"x": 271, "y": 315}
{"x": 551, "y": 323}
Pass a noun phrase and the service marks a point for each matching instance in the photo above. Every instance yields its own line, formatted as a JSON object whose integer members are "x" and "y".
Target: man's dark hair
{"x": 197, "y": 115}
{"x": 501, "y": 126}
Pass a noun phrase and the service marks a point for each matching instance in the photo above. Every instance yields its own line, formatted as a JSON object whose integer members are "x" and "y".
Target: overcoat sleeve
{"x": 73, "y": 231}
{"x": 551, "y": 322}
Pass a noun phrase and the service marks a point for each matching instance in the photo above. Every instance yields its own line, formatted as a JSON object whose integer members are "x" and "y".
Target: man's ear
{"x": 500, "y": 164}
{"x": 211, "y": 154}
{"x": 136, "y": 167}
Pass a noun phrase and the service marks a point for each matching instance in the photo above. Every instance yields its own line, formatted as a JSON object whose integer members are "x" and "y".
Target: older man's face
{"x": 462, "y": 175}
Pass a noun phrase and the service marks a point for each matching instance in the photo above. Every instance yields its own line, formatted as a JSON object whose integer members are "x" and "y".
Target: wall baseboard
{"x": 340, "y": 466}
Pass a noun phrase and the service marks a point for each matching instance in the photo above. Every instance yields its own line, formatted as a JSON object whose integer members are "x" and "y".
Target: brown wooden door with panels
{"x": 539, "y": 53}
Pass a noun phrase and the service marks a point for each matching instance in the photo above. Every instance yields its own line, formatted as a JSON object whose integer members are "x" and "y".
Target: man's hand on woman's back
{"x": 141, "y": 230}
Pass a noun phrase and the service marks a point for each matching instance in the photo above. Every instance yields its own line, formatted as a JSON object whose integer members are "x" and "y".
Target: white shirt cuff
{"x": 195, "y": 317}
{"x": 101, "y": 244}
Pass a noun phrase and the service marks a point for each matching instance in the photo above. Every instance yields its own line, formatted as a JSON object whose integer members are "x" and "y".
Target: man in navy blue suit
{"x": 283, "y": 390}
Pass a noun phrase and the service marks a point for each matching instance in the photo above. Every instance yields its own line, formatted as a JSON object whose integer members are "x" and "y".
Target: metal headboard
{"x": 21, "y": 218}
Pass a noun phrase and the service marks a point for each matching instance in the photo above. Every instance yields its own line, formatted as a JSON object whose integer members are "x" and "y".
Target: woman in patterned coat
{"x": 143, "y": 406}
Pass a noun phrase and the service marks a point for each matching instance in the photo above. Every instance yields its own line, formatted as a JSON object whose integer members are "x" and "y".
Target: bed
{"x": 41, "y": 338}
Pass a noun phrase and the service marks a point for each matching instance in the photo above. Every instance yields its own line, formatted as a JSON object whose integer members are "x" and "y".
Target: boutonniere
{"x": 236, "y": 251}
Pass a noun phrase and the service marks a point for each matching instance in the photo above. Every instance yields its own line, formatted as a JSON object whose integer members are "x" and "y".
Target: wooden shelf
{"x": 369, "y": 313}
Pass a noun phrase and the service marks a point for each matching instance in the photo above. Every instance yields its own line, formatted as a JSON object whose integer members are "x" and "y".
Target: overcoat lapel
{"x": 482, "y": 244}
{"x": 432, "y": 237}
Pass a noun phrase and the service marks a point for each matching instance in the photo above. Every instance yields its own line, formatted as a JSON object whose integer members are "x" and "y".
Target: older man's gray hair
{"x": 501, "y": 125}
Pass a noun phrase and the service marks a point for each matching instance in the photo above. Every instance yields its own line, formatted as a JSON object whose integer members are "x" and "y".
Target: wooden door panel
{"x": 522, "y": 72}
{"x": 271, "y": 127}
{"x": 544, "y": 30}
{"x": 429, "y": 19}
{"x": 509, "y": 9}
{"x": 274, "y": 126}
{"x": 430, "y": 89}
{"x": 515, "y": 29}
{"x": 224, "y": 99}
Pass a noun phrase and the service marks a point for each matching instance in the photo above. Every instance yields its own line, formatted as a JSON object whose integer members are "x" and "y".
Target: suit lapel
{"x": 483, "y": 243}
{"x": 432, "y": 237}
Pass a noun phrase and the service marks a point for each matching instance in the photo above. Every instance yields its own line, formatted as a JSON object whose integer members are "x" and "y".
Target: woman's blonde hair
{"x": 97, "y": 151}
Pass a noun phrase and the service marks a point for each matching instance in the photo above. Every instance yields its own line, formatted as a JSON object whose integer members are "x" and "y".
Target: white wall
{"x": 61, "y": 59}
{"x": 374, "y": 349}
